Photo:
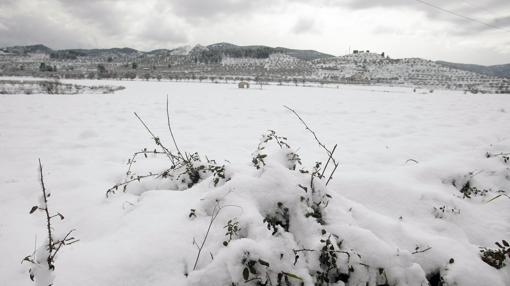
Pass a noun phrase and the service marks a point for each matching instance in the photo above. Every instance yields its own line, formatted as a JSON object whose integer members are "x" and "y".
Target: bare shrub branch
{"x": 322, "y": 145}
{"x": 170, "y": 128}
{"x": 54, "y": 245}
{"x": 157, "y": 140}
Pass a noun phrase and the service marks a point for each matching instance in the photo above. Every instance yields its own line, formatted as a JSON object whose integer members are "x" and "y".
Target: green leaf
{"x": 291, "y": 275}
{"x": 265, "y": 263}
{"x": 505, "y": 243}
{"x": 28, "y": 258}
{"x": 246, "y": 274}
{"x": 33, "y": 209}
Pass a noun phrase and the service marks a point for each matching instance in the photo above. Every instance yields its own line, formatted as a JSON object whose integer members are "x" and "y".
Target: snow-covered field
{"x": 399, "y": 154}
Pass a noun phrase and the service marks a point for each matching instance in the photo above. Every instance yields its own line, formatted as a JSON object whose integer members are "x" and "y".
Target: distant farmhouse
{"x": 243, "y": 84}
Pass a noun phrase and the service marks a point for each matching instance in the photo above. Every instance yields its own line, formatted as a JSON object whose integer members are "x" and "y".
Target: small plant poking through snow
{"x": 232, "y": 231}
{"x": 470, "y": 187}
{"x": 292, "y": 157}
{"x": 335, "y": 264}
{"x": 496, "y": 257}
{"x": 192, "y": 213}
{"x": 444, "y": 211}
{"x": 505, "y": 157}
{"x": 42, "y": 260}
{"x": 255, "y": 270}
{"x": 279, "y": 219}
{"x": 186, "y": 169}
{"x": 259, "y": 272}
{"x": 315, "y": 197}
{"x": 468, "y": 191}
{"x": 465, "y": 186}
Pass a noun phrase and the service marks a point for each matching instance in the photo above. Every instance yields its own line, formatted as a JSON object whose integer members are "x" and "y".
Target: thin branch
{"x": 63, "y": 242}
{"x": 137, "y": 178}
{"x": 196, "y": 244}
{"x": 215, "y": 213}
{"x": 498, "y": 196}
{"x": 422, "y": 250}
{"x": 170, "y": 128}
{"x": 145, "y": 152}
{"x": 296, "y": 251}
{"x": 329, "y": 159}
{"x": 500, "y": 154}
{"x": 313, "y": 133}
{"x": 331, "y": 175}
{"x": 48, "y": 217}
{"x": 157, "y": 140}
{"x": 328, "y": 152}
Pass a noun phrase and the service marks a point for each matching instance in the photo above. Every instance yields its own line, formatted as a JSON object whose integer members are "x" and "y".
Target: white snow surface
{"x": 382, "y": 205}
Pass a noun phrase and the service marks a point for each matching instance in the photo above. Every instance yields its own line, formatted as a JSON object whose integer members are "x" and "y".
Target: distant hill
{"x": 32, "y": 49}
{"x": 262, "y": 52}
{"x": 215, "y": 53}
{"x": 495, "y": 70}
{"x": 75, "y": 53}
{"x": 228, "y": 61}
{"x": 210, "y": 53}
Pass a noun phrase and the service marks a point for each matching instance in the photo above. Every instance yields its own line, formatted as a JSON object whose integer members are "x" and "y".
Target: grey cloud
{"x": 304, "y": 25}
{"x": 18, "y": 31}
{"x": 459, "y": 5}
{"x": 149, "y": 24}
{"x": 161, "y": 32}
{"x": 85, "y": 24}
{"x": 200, "y": 9}
{"x": 104, "y": 15}
{"x": 484, "y": 12}
{"x": 364, "y": 4}
{"x": 502, "y": 22}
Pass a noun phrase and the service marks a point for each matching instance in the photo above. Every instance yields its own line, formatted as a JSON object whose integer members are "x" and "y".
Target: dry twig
{"x": 328, "y": 152}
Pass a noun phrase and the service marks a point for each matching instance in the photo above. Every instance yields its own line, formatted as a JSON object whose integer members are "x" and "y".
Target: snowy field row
{"x": 410, "y": 203}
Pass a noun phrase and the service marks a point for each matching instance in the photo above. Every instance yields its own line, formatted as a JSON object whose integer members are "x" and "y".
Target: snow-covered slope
{"x": 396, "y": 214}
{"x": 374, "y": 68}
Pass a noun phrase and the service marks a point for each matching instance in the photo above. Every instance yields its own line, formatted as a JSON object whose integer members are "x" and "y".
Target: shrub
{"x": 496, "y": 257}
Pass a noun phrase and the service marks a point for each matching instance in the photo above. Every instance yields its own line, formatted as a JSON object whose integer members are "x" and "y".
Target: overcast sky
{"x": 401, "y": 28}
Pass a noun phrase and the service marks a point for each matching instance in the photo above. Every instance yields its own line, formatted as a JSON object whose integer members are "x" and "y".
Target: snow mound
{"x": 275, "y": 223}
